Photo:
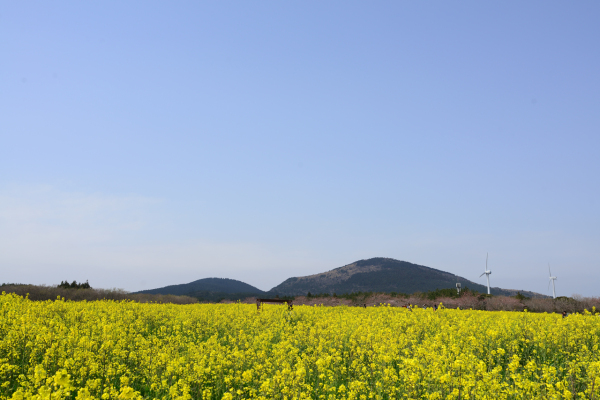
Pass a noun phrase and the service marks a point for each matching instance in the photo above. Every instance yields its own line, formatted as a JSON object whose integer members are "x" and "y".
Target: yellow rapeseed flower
{"x": 123, "y": 350}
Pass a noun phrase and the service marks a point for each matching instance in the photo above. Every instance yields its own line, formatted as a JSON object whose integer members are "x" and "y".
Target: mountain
{"x": 380, "y": 275}
{"x": 372, "y": 275}
{"x": 210, "y": 289}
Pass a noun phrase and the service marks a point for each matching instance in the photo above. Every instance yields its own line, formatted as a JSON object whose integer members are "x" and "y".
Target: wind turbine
{"x": 552, "y": 279}
{"x": 487, "y": 273}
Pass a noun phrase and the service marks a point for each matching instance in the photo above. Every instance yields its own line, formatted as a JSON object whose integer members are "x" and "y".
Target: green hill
{"x": 210, "y": 289}
{"x": 372, "y": 275}
{"x": 380, "y": 275}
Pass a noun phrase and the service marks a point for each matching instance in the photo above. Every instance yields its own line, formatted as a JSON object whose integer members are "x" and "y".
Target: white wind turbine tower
{"x": 552, "y": 279}
{"x": 487, "y": 273}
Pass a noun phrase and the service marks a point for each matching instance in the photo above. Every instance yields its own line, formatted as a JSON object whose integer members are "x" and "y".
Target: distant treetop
{"x": 74, "y": 285}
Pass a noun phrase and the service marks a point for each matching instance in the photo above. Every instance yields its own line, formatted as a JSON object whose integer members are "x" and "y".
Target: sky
{"x": 147, "y": 143}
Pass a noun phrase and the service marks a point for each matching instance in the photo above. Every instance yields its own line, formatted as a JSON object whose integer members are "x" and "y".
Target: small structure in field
{"x": 279, "y": 301}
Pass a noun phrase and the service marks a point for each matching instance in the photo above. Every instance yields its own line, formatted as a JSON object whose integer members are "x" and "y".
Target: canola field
{"x": 125, "y": 350}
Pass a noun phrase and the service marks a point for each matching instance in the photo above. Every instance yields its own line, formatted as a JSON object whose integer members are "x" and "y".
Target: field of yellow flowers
{"x": 127, "y": 350}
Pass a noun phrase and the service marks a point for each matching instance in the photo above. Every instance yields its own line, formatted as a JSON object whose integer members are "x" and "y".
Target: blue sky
{"x": 152, "y": 143}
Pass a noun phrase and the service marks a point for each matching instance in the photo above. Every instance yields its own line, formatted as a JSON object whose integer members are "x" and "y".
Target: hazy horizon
{"x": 145, "y": 144}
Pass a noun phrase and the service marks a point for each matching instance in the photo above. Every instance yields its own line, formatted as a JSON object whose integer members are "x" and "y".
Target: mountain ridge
{"x": 377, "y": 274}
{"x": 380, "y": 274}
{"x": 211, "y": 289}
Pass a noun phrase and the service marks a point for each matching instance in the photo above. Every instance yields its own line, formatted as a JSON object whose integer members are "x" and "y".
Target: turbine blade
{"x": 482, "y": 275}
{"x": 549, "y": 273}
{"x": 549, "y": 284}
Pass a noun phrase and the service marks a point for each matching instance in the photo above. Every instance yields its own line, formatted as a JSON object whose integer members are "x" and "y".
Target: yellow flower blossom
{"x": 123, "y": 350}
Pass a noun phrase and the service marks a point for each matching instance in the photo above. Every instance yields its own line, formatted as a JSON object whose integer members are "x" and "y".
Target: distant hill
{"x": 372, "y": 275}
{"x": 210, "y": 289}
{"x": 380, "y": 275}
